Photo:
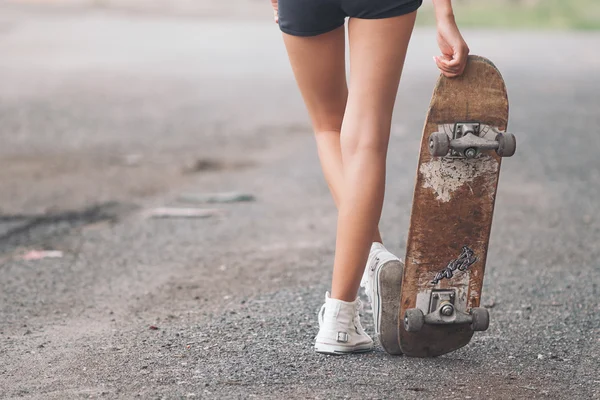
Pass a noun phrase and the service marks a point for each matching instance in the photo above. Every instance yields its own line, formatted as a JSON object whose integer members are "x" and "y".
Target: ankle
{"x": 343, "y": 297}
{"x": 377, "y": 237}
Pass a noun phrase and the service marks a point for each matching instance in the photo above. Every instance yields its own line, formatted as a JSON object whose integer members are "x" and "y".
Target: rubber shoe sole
{"x": 388, "y": 285}
{"x": 325, "y": 348}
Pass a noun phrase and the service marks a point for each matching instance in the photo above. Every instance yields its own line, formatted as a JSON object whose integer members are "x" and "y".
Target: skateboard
{"x": 464, "y": 141}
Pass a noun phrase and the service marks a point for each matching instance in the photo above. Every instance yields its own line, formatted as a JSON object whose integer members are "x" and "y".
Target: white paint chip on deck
{"x": 446, "y": 175}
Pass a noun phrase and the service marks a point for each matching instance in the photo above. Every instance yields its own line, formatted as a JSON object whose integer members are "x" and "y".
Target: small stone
{"x": 178, "y": 212}
{"x": 540, "y": 357}
{"x": 35, "y": 255}
{"x": 490, "y": 303}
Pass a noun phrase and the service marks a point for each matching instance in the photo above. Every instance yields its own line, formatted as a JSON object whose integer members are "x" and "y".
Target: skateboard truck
{"x": 466, "y": 142}
{"x": 443, "y": 311}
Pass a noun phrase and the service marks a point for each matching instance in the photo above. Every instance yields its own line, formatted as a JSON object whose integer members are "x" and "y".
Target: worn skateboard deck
{"x": 452, "y": 212}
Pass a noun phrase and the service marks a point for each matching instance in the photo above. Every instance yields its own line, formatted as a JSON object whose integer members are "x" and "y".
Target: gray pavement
{"x": 103, "y": 115}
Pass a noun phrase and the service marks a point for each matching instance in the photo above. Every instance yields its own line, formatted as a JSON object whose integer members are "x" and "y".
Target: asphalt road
{"x": 105, "y": 115}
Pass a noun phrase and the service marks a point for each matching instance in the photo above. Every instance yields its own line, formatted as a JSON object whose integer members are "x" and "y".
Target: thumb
{"x": 455, "y": 60}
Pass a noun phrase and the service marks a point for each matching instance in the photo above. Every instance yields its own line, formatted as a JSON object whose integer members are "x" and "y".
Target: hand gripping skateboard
{"x": 463, "y": 143}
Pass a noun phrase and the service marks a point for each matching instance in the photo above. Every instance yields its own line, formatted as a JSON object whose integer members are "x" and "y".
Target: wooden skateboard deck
{"x": 452, "y": 211}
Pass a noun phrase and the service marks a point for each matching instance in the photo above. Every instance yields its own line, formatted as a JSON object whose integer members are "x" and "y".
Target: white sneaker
{"x": 340, "y": 331}
{"x": 382, "y": 282}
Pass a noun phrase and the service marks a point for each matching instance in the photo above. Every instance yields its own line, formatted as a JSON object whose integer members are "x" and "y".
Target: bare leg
{"x": 377, "y": 53}
{"x": 319, "y": 66}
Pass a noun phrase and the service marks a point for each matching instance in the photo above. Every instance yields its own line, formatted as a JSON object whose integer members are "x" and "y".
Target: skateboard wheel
{"x": 507, "y": 144}
{"x": 481, "y": 319}
{"x": 413, "y": 320}
{"x": 439, "y": 144}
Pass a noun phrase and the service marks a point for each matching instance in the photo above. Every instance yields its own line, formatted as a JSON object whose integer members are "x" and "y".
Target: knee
{"x": 328, "y": 124}
{"x": 328, "y": 134}
{"x": 366, "y": 138}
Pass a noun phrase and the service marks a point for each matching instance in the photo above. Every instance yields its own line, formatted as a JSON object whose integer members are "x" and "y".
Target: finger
{"x": 459, "y": 58}
{"x": 462, "y": 69}
{"x": 442, "y": 60}
{"x": 444, "y": 67}
{"x": 448, "y": 73}
{"x": 452, "y": 64}
{"x": 439, "y": 64}
{"x": 451, "y": 74}
{"x": 447, "y": 62}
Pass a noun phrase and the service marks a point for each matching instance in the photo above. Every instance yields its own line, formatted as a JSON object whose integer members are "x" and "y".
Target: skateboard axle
{"x": 444, "y": 311}
{"x": 467, "y": 142}
{"x": 447, "y": 310}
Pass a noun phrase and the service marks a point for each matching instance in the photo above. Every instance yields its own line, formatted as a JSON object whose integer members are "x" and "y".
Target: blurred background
{"x": 187, "y": 67}
{"x": 524, "y": 14}
{"x": 113, "y": 110}
{"x": 550, "y": 14}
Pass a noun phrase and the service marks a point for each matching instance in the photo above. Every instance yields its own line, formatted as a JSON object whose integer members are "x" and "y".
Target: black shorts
{"x": 313, "y": 17}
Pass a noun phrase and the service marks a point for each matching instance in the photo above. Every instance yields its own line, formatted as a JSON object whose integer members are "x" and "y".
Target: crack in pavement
{"x": 37, "y": 228}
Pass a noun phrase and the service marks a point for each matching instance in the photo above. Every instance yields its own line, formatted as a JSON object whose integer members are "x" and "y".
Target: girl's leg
{"x": 319, "y": 67}
{"x": 377, "y": 52}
